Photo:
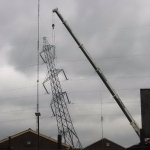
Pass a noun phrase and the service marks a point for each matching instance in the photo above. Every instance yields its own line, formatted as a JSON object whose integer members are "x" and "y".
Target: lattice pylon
{"x": 58, "y": 103}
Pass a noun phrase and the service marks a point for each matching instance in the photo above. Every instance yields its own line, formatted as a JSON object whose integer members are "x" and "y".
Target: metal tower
{"x": 58, "y": 103}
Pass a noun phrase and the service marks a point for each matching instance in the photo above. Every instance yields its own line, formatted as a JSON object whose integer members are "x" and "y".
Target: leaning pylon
{"x": 58, "y": 103}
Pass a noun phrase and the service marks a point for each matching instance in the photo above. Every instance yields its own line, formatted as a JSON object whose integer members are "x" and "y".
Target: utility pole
{"x": 9, "y": 144}
{"x": 38, "y": 115}
{"x": 59, "y": 142}
{"x": 37, "y": 106}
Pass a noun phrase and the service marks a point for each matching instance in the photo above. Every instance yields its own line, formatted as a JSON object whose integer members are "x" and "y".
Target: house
{"x": 27, "y": 140}
{"x": 146, "y": 146}
{"x": 104, "y": 144}
{"x": 139, "y": 147}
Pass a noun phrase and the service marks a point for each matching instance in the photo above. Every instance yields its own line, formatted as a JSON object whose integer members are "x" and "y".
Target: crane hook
{"x": 53, "y": 25}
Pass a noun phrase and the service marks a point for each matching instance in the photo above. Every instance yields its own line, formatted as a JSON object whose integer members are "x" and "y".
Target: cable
{"x": 78, "y": 92}
{"x": 25, "y": 93}
{"x": 21, "y": 112}
{"x": 72, "y": 115}
{"x": 53, "y": 31}
{"x": 87, "y": 124}
{"x": 14, "y": 111}
{"x": 66, "y": 61}
{"x": 95, "y": 78}
{"x": 78, "y": 33}
{"x": 105, "y": 30}
{"x": 106, "y": 58}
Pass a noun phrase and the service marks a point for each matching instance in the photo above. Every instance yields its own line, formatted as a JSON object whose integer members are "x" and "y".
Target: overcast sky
{"x": 116, "y": 34}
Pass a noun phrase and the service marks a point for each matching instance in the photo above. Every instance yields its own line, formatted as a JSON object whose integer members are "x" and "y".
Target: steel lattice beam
{"x": 58, "y": 103}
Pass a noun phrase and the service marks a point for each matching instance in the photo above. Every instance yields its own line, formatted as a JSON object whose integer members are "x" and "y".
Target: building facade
{"x": 28, "y": 139}
{"x": 104, "y": 144}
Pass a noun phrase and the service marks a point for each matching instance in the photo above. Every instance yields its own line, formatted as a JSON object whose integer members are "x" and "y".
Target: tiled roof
{"x": 32, "y": 131}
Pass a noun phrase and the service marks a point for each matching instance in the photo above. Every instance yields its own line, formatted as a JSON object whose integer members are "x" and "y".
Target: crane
{"x": 101, "y": 75}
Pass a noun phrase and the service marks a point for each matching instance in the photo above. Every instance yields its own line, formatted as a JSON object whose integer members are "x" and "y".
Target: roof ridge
{"x": 102, "y": 140}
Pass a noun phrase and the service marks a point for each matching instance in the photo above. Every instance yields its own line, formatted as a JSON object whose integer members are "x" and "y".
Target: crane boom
{"x": 101, "y": 75}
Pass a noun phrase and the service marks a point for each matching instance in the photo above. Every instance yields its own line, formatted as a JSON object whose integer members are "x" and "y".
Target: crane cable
{"x": 53, "y": 35}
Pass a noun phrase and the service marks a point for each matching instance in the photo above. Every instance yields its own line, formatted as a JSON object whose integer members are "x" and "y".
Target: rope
{"x": 53, "y": 31}
{"x": 53, "y": 39}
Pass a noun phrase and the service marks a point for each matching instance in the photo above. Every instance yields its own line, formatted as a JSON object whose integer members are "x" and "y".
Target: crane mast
{"x": 101, "y": 75}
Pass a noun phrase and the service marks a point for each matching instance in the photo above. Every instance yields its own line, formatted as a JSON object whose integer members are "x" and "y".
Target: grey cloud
{"x": 111, "y": 33}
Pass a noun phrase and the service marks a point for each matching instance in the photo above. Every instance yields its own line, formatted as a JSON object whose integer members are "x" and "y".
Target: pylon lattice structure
{"x": 58, "y": 103}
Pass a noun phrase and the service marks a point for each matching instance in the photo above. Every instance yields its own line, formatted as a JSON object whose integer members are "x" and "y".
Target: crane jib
{"x": 101, "y": 75}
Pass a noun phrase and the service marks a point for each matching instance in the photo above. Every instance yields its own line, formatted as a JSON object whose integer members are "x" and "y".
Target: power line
{"x": 71, "y": 92}
{"x": 78, "y": 33}
{"x": 105, "y": 58}
{"x": 104, "y": 107}
{"x": 72, "y": 115}
{"x": 89, "y": 78}
{"x": 78, "y": 60}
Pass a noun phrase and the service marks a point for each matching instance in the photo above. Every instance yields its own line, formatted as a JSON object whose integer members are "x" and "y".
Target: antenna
{"x": 102, "y": 115}
{"x": 37, "y": 108}
{"x": 37, "y": 113}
